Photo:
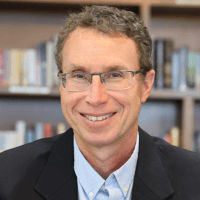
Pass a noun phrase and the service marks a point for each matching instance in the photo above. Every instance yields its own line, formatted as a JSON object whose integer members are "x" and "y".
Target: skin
{"x": 106, "y": 144}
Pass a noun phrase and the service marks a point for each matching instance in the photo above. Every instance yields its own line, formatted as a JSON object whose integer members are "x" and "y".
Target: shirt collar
{"x": 90, "y": 180}
{"x": 125, "y": 174}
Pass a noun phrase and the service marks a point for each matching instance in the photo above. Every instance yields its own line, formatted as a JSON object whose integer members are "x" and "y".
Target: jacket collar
{"x": 58, "y": 179}
{"x": 151, "y": 180}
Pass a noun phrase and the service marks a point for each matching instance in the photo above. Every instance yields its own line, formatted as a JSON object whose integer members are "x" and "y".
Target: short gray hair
{"x": 111, "y": 21}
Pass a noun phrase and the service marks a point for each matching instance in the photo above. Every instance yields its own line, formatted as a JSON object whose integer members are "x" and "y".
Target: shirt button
{"x": 91, "y": 194}
{"x": 103, "y": 188}
{"x": 125, "y": 189}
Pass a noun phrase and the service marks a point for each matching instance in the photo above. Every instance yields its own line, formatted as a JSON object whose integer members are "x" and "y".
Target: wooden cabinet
{"x": 24, "y": 24}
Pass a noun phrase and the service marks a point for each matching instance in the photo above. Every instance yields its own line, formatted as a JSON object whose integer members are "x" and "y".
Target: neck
{"x": 107, "y": 159}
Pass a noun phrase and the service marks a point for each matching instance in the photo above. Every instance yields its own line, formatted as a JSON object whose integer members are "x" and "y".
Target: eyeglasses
{"x": 112, "y": 80}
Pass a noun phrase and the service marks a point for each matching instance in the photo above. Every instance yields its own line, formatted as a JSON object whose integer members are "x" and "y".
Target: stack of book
{"x": 24, "y": 134}
{"x": 175, "y": 69}
{"x": 29, "y": 67}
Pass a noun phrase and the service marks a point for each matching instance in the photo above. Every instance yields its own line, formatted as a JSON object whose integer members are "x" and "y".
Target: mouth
{"x": 99, "y": 118}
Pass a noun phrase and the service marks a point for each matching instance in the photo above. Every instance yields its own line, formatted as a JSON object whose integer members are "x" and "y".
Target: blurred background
{"x": 29, "y": 95}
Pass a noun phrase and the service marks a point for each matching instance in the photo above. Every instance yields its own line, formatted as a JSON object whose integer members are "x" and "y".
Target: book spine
{"x": 5, "y": 67}
{"x": 61, "y": 128}
{"x": 168, "y": 49}
{"x": 25, "y": 68}
{"x": 43, "y": 63}
{"x": 49, "y": 63}
{"x": 55, "y": 79}
{"x": 175, "y": 134}
{"x": 48, "y": 130}
{"x": 197, "y": 78}
{"x": 175, "y": 57}
{"x": 183, "y": 67}
{"x": 15, "y": 66}
{"x": 39, "y": 130}
{"x": 160, "y": 63}
{"x": 1, "y": 67}
{"x": 31, "y": 65}
{"x": 191, "y": 70}
{"x": 20, "y": 127}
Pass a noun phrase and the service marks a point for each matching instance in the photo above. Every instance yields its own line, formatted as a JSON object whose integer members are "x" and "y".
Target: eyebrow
{"x": 74, "y": 67}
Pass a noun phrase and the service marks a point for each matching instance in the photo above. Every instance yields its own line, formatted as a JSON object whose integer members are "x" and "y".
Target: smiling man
{"x": 105, "y": 70}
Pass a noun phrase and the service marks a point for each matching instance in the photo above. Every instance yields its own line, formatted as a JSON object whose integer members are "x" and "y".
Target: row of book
{"x": 25, "y": 134}
{"x": 29, "y": 67}
{"x": 178, "y": 69}
{"x": 175, "y": 69}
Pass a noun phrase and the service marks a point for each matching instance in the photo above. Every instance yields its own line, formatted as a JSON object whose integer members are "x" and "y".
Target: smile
{"x": 100, "y": 118}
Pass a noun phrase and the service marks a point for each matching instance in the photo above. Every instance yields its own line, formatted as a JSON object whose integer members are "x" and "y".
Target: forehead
{"x": 95, "y": 50}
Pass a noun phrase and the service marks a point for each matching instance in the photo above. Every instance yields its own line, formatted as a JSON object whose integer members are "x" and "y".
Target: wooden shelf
{"x": 164, "y": 94}
{"x": 49, "y": 92}
{"x": 169, "y": 94}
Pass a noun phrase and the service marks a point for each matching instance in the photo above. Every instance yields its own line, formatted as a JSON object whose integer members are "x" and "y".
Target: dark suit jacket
{"x": 44, "y": 169}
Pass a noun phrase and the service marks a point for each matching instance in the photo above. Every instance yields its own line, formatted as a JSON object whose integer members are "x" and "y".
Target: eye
{"x": 115, "y": 74}
{"x": 78, "y": 75}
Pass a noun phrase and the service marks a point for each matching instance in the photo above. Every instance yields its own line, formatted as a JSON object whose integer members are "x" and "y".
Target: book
{"x": 197, "y": 74}
{"x": 159, "y": 63}
{"x": 39, "y": 130}
{"x": 49, "y": 63}
{"x": 15, "y": 67}
{"x": 183, "y": 51}
{"x": 29, "y": 136}
{"x": 25, "y": 68}
{"x": 55, "y": 79}
{"x": 168, "y": 50}
{"x": 7, "y": 139}
{"x": 1, "y": 67}
{"x": 168, "y": 138}
{"x": 175, "y": 58}
{"x": 20, "y": 128}
{"x": 31, "y": 58}
{"x": 191, "y": 70}
{"x": 61, "y": 128}
{"x": 175, "y": 135}
{"x": 48, "y": 130}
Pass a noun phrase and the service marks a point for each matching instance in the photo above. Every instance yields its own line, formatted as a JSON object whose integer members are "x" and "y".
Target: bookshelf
{"x": 24, "y": 24}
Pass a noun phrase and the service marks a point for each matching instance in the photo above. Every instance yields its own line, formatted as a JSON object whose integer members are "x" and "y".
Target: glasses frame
{"x": 60, "y": 74}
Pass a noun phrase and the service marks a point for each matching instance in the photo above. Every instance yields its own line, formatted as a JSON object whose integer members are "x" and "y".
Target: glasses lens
{"x": 76, "y": 81}
{"x": 117, "y": 80}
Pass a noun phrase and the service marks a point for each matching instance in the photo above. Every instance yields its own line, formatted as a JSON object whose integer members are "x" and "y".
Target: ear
{"x": 147, "y": 85}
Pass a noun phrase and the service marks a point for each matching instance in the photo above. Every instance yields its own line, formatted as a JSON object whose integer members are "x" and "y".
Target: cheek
{"x": 69, "y": 101}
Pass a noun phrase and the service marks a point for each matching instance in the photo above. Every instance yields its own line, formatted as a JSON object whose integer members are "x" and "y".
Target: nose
{"x": 97, "y": 93}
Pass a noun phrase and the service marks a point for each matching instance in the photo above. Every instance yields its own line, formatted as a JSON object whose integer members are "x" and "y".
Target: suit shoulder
{"x": 26, "y": 153}
{"x": 176, "y": 157}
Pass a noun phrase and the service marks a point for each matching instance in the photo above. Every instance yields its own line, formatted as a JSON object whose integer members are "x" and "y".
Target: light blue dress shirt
{"x": 91, "y": 186}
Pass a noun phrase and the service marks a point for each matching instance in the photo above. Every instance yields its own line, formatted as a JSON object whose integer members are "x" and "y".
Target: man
{"x": 105, "y": 70}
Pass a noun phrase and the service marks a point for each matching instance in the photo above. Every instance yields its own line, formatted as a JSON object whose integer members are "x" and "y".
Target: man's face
{"x": 90, "y": 51}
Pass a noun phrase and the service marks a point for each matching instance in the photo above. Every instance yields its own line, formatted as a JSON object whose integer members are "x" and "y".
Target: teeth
{"x": 93, "y": 118}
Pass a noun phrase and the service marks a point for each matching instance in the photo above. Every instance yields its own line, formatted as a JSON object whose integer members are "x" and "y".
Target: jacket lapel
{"x": 58, "y": 180}
{"x": 151, "y": 181}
